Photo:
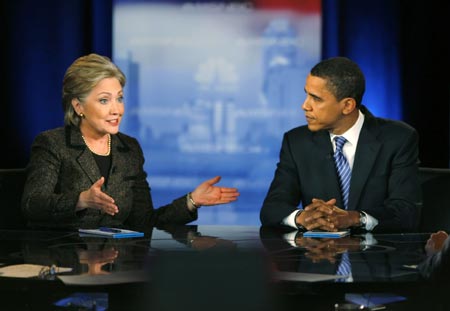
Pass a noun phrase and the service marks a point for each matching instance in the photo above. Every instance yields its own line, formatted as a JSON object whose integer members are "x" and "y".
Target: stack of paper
{"x": 325, "y": 234}
{"x": 110, "y": 233}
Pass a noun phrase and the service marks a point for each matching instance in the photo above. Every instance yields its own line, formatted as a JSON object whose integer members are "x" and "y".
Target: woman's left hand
{"x": 209, "y": 194}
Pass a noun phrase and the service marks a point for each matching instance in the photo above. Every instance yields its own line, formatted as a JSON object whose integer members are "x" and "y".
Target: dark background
{"x": 40, "y": 39}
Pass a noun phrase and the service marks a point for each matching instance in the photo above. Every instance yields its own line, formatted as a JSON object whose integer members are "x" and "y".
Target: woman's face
{"x": 103, "y": 108}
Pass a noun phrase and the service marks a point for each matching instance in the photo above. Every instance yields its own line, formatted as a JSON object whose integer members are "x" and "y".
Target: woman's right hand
{"x": 94, "y": 197}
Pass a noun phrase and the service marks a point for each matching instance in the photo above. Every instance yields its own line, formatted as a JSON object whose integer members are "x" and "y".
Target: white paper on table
{"x": 27, "y": 270}
{"x": 119, "y": 277}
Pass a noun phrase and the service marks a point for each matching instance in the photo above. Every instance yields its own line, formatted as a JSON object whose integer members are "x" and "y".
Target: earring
{"x": 81, "y": 115}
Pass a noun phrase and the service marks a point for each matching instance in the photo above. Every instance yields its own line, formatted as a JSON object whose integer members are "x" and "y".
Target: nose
{"x": 306, "y": 106}
{"x": 115, "y": 108}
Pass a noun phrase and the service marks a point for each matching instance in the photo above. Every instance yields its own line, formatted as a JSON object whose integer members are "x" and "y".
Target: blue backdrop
{"x": 211, "y": 90}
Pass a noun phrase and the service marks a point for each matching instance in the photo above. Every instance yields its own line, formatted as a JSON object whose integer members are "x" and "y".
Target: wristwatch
{"x": 362, "y": 220}
{"x": 299, "y": 226}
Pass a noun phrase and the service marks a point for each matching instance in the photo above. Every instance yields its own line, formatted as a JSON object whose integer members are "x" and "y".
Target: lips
{"x": 113, "y": 122}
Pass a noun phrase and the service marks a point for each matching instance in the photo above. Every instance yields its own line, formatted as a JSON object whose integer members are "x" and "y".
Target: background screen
{"x": 211, "y": 88}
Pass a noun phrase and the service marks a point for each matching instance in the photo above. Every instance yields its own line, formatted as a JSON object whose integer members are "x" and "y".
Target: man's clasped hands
{"x": 325, "y": 215}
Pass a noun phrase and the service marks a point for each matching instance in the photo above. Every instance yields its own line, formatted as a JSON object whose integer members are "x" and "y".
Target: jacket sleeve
{"x": 143, "y": 213}
{"x": 284, "y": 193}
{"x": 400, "y": 209}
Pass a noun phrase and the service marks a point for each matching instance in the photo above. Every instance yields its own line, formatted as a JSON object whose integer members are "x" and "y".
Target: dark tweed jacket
{"x": 61, "y": 167}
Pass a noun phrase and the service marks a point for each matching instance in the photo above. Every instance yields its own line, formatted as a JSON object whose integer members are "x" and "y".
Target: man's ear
{"x": 349, "y": 105}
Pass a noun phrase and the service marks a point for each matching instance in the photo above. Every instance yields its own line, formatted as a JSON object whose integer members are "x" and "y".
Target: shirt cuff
{"x": 371, "y": 223}
{"x": 290, "y": 219}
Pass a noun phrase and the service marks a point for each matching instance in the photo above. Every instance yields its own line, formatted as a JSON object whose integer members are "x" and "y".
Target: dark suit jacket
{"x": 384, "y": 179}
{"x": 61, "y": 167}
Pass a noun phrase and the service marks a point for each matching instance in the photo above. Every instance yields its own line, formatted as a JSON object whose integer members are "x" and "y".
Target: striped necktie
{"x": 343, "y": 169}
{"x": 344, "y": 268}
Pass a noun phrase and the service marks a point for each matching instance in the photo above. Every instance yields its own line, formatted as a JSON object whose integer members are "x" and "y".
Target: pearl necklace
{"x": 105, "y": 154}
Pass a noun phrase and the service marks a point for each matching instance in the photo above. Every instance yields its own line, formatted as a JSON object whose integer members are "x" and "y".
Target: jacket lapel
{"x": 84, "y": 156}
{"x": 119, "y": 151}
{"x": 365, "y": 157}
{"x": 326, "y": 169}
{"x": 85, "y": 159}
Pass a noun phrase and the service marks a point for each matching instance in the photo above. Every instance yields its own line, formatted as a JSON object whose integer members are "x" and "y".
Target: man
{"x": 378, "y": 188}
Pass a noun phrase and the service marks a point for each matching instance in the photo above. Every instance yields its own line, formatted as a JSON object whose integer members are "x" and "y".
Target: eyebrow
{"x": 110, "y": 94}
{"x": 307, "y": 91}
{"x": 311, "y": 94}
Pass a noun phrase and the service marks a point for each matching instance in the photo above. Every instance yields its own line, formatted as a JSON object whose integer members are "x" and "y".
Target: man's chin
{"x": 314, "y": 128}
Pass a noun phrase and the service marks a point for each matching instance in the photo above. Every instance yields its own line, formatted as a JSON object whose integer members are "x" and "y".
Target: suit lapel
{"x": 326, "y": 169}
{"x": 119, "y": 159}
{"x": 89, "y": 166}
{"x": 365, "y": 156}
{"x": 84, "y": 158}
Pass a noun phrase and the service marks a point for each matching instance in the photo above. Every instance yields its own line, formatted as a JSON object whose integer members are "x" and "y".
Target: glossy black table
{"x": 211, "y": 267}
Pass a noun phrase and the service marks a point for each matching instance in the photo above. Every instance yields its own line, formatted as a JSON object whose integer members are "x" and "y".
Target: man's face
{"x": 322, "y": 110}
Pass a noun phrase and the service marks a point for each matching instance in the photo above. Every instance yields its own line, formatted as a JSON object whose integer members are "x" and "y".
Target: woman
{"x": 88, "y": 174}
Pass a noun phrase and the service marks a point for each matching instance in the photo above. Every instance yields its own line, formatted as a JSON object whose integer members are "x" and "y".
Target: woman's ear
{"x": 76, "y": 106}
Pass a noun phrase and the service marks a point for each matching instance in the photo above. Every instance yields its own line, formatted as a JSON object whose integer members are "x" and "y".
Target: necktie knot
{"x": 340, "y": 141}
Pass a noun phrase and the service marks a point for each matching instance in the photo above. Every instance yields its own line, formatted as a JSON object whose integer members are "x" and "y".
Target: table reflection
{"x": 328, "y": 249}
{"x": 96, "y": 260}
{"x": 380, "y": 258}
{"x": 86, "y": 255}
{"x": 190, "y": 259}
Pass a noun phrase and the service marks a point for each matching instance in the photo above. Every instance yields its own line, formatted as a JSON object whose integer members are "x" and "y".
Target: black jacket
{"x": 61, "y": 167}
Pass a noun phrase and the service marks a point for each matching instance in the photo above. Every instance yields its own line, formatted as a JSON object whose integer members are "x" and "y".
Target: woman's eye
{"x": 103, "y": 101}
{"x": 120, "y": 99}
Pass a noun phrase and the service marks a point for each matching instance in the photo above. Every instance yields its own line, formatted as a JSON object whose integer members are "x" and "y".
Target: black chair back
{"x": 436, "y": 199}
{"x": 12, "y": 182}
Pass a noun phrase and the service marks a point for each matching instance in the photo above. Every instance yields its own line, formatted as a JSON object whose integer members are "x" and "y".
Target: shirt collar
{"x": 352, "y": 134}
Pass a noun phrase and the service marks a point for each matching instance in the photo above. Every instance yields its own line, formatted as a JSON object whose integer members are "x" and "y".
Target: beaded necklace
{"x": 109, "y": 146}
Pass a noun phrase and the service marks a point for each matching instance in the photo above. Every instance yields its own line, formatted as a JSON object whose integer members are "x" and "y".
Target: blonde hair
{"x": 81, "y": 77}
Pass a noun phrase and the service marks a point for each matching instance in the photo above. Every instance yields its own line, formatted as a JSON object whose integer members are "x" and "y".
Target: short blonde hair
{"x": 81, "y": 77}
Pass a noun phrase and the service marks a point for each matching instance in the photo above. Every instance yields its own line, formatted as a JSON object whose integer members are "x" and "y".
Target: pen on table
{"x": 106, "y": 229}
